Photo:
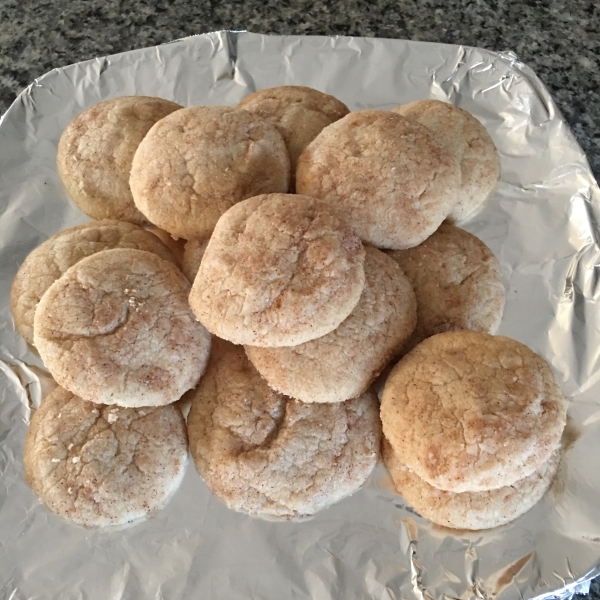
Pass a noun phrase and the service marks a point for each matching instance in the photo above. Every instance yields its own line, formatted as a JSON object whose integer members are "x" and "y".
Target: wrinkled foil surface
{"x": 541, "y": 222}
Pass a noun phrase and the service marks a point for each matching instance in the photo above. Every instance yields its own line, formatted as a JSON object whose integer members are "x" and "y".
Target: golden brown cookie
{"x": 95, "y": 153}
{"x": 469, "y": 141}
{"x": 343, "y": 363}
{"x": 389, "y": 176}
{"x": 268, "y": 455}
{"x": 470, "y": 412}
{"x": 198, "y": 162}
{"x": 298, "y": 112}
{"x": 457, "y": 281}
{"x": 44, "y": 265}
{"x": 470, "y": 510}
{"x": 279, "y": 270}
{"x": 116, "y": 328}
{"x": 99, "y": 465}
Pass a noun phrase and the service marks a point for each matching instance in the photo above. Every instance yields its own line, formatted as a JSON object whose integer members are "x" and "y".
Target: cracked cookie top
{"x": 96, "y": 150}
{"x": 343, "y": 363}
{"x": 117, "y": 328}
{"x": 99, "y": 465}
{"x": 279, "y": 270}
{"x": 457, "y": 281}
{"x": 469, "y": 141}
{"x": 196, "y": 163}
{"x": 46, "y": 263}
{"x": 299, "y": 113}
{"x": 389, "y": 175}
{"x": 470, "y": 411}
{"x": 269, "y": 455}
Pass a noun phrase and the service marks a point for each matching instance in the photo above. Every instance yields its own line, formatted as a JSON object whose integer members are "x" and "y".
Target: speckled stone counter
{"x": 557, "y": 38}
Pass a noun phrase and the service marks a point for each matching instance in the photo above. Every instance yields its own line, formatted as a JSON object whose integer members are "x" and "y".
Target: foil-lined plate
{"x": 541, "y": 222}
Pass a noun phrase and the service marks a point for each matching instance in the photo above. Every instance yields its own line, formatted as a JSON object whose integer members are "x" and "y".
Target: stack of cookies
{"x": 319, "y": 246}
{"x": 116, "y": 332}
{"x": 472, "y": 426}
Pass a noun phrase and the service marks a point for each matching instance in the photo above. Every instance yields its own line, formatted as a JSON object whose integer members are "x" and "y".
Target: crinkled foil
{"x": 542, "y": 224}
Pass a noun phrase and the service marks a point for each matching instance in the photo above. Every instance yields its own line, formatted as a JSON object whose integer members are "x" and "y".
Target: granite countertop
{"x": 557, "y": 38}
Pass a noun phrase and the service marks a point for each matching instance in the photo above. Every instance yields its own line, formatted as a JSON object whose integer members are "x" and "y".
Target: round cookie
{"x": 198, "y": 162}
{"x": 116, "y": 328}
{"x": 271, "y": 456}
{"x": 97, "y": 465}
{"x": 46, "y": 263}
{"x": 192, "y": 256}
{"x": 388, "y": 175}
{"x": 95, "y": 153}
{"x": 457, "y": 282}
{"x": 469, "y": 141}
{"x": 470, "y": 510}
{"x": 343, "y": 363}
{"x": 299, "y": 113}
{"x": 469, "y": 412}
{"x": 279, "y": 270}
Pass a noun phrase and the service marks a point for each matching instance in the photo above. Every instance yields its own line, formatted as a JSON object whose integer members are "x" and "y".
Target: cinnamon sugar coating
{"x": 469, "y": 412}
{"x": 96, "y": 150}
{"x": 200, "y": 161}
{"x": 271, "y": 456}
{"x": 116, "y": 328}
{"x": 279, "y": 270}
{"x": 471, "y": 510}
{"x": 388, "y": 175}
{"x": 343, "y": 363}
{"x": 99, "y": 465}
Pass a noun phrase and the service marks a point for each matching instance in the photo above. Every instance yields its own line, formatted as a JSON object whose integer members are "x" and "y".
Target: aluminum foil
{"x": 542, "y": 224}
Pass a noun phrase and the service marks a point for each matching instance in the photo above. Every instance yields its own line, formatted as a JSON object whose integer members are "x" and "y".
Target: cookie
{"x": 176, "y": 246}
{"x": 46, "y": 263}
{"x": 343, "y": 363}
{"x": 279, "y": 270}
{"x": 389, "y": 176}
{"x": 192, "y": 256}
{"x": 97, "y": 465}
{"x": 198, "y": 162}
{"x": 457, "y": 281}
{"x": 470, "y": 412}
{"x": 469, "y": 141}
{"x": 298, "y": 112}
{"x": 95, "y": 153}
{"x": 271, "y": 456}
{"x": 116, "y": 328}
{"x": 470, "y": 510}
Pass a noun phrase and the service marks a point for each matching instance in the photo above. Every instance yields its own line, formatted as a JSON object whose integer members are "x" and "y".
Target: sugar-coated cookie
{"x": 198, "y": 162}
{"x": 116, "y": 328}
{"x": 99, "y": 465}
{"x": 279, "y": 270}
{"x": 389, "y": 176}
{"x": 469, "y": 141}
{"x": 469, "y": 412}
{"x": 46, "y": 263}
{"x": 457, "y": 281}
{"x": 343, "y": 363}
{"x": 96, "y": 150}
{"x": 471, "y": 510}
{"x": 270, "y": 456}
{"x": 298, "y": 112}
